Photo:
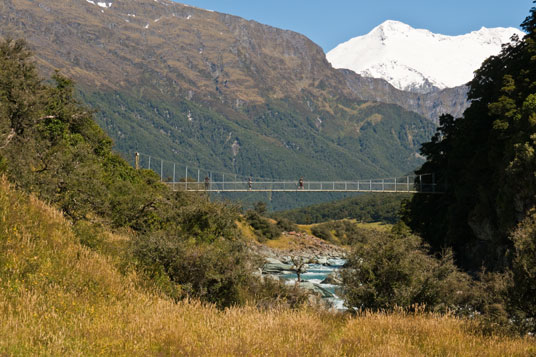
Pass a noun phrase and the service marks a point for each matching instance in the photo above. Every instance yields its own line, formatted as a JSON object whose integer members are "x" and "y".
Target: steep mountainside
{"x": 430, "y": 105}
{"x": 417, "y": 59}
{"x": 216, "y": 91}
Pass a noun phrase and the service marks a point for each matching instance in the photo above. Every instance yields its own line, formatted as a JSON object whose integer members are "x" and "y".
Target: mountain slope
{"x": 216, "y": 91}
{"x": 430, "y": 105}
{"x": 419, "y": 60}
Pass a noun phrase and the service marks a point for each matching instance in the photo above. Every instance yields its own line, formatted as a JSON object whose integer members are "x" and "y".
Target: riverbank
{"x": 299, "y": 244}
{"x": 321, "y": 263}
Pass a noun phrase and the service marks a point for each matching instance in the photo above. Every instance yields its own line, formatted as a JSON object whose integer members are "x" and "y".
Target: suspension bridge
{"x": 406, "y": 184}
{"x": 199, "y": 180}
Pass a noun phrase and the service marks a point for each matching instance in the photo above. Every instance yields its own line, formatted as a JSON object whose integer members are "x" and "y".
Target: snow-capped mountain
{"x": 417, "y": 59}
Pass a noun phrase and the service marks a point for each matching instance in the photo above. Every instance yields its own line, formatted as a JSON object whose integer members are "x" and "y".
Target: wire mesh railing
{"x": 408, "y": 184}
{"x": 182, "y": 177}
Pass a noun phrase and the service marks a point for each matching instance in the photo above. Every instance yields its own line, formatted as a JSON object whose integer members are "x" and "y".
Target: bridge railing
{"x": 406, "y": 184}
{"x": 181, "y": 177}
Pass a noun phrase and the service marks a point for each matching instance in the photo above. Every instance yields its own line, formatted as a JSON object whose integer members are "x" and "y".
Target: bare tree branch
{"x": 10, "y": 136}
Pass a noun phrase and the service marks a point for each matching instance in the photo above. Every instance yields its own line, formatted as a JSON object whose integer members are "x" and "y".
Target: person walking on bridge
{"x": 207, "y": 183}
{"x": 250, "y": 184}
{"x": 300, "y": 183}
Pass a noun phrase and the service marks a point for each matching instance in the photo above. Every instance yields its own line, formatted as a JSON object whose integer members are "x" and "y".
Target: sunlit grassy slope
{"x": 379, "y": 226}
{"x": 60, "y": 298}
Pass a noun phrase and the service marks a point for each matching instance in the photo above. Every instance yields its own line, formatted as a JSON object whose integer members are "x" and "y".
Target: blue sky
{"x": 329, "y": 23}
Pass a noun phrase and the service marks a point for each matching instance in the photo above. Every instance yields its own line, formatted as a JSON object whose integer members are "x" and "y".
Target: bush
{"x": 523, "y": 292}
{"x": 263, "y": 227}
{"x": 286, "y": 225}
{"x": 218, "y": 272}
{"x": 269, "y": 293}
{"x": 395, "y": 271}
{"x": 90, "y": 235}
{"x": 322, "y": 231}
{"x": 343, "y": 232}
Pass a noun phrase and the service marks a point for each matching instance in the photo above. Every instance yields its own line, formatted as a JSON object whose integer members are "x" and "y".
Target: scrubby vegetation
{"x": 364, "y": 208}
{"x": 395, "y": 270}
{"x": 263, "y": 227}
{"x": 58, "y": 297}
{"x": 345, "y": 232}
{"x": 116, "y": 263}
{"x": 51, "y": 147}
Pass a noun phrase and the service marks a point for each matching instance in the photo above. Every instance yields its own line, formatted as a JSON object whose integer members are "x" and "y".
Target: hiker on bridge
{"x": 250, "y": 184}
{"x": 207, "y": 183}
{"x": 300, "y": 183}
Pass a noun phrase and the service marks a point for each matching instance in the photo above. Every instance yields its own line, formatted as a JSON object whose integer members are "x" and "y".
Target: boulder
{"x": 336, "y": 262}
{"x": 332, "y": 279}
{"x": 286, "y": 259}
{"x": 322, "y": 260}
{"x": 272, "y": 261}
{"x": 315, "y": 288}
{"x": 276, "y": 268}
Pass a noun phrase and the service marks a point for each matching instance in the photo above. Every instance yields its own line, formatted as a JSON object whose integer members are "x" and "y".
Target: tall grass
{"x": 59, "y": 298}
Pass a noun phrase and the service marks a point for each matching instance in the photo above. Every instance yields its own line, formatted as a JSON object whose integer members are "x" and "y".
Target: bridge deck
{"x": 376, "y": 186}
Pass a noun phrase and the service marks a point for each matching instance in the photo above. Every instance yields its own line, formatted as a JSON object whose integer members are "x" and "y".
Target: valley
{"x": 195, "y": 84}
{"x": 178, "y": 181}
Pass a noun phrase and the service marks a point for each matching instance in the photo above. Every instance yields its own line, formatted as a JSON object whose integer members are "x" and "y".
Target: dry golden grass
{"x": 247, "y": 231}
{"x": 283, "y": 242}
{"x": 59, "y": 298}
{"x": 379, "y": 226}
{"x": 306, "y": 228}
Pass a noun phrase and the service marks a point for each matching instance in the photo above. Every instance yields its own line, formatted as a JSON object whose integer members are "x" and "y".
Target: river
{"x": 314, "y": 276}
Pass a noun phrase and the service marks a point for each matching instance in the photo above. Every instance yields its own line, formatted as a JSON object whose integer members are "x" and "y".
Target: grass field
{"x": 58, "y": 297}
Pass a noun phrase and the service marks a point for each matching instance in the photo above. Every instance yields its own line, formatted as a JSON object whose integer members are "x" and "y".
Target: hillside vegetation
{"x": 58, "y": 297}
{"x": 486, "y": 161}
{"x": 365, "y": 208}
{"x": 185, "y": 244}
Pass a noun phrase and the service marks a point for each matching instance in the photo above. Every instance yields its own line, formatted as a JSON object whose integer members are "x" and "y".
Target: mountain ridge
{"x": 430, "y": 105}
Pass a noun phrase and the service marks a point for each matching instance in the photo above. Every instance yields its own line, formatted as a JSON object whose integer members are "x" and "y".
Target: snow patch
{"x": 104, "y": 5}
{"x": 417, "y": 59}
{"x": 235, "y": 148}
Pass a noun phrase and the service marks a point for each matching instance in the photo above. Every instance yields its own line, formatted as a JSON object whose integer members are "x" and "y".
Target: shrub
{"x": 395, "y": 271}
{"x": 344, "y": 232}
{"x": 322, "y": 231}
{"x": 523, "y": 291}
{"x": 263, "y": 227}
{"x": 90, "y": 235}
{"x": 218, "y": 272}
{"x": 286, "y": 225}
{"x": 269, "y": 293}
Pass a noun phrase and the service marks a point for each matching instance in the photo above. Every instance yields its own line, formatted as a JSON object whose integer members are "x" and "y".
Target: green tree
{"x": 486, "y": 160}
{"x": 19, "y": 86}
{"x": 483, "y": 161}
